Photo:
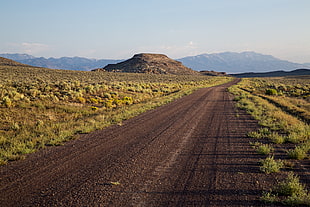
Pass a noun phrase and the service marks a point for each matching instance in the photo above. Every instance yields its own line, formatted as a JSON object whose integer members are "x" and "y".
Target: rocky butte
{"x": 150, "y": 63}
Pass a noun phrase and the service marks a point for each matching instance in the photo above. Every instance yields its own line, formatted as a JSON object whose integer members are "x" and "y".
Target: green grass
{"x": 288, "y": 192}
{"x": 299, "y": 153}
{"x": 276, "y": 138}
{"x": 270, "y": 165}
{"x": 264, "y": 149}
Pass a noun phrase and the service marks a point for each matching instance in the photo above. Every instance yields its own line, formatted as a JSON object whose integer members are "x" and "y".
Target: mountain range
{"x": 232, "y": 62}
{"x": 229, "y": 62}
{"x": 67, "y": 63}
{"x": 280, "y": 73}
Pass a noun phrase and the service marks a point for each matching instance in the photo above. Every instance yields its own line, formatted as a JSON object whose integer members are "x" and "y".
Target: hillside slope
{"x": 67, "y": 63}
{"x": 9, "y": 62}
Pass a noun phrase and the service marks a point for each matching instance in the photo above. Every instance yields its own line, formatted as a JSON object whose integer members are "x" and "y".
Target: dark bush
{"x": 271, "y": 91}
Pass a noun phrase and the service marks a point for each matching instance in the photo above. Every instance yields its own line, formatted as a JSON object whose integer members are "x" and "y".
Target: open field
{"x": 41, "y": 107}
{"x": 282, "y": 108}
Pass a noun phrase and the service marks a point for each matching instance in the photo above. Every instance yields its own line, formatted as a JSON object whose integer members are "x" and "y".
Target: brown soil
{"x": 191, "y": 152}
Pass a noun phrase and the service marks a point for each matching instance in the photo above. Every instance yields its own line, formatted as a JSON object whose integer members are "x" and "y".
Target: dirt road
{"x": 191, "y": 152}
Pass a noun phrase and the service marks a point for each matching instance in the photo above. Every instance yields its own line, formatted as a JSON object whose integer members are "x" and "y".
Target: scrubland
{"x": 41, "y": 107}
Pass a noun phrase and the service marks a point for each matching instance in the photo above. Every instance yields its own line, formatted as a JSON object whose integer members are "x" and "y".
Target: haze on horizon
{"x": 178, "y": 28}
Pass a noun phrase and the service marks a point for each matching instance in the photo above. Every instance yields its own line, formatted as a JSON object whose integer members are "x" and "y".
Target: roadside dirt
{"x": 191, "y": 152}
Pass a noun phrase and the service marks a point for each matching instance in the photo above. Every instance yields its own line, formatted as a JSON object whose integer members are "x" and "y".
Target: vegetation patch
{"x": 270, "y": 165}
{"x": 282, "y": 108}
{"x": 288, "y": 192}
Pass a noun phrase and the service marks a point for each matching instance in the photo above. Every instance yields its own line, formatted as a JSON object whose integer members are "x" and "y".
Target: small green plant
{"x": 264, "y": 131}
{"x": 291, "y": 186}
{"x": 7, "y": 102}
{"x": 93, "y": 108}
{"x": 292, "y": 192}
{"x": 261, "y": 133}
{"x": 81, "y": 100}
{"x": 276, "y": 138}
{"x": 254, "y": 134}
{"x": 269, "y": 197}
{"x": 271, "y": 91}
{"x": 298, "y": 153}
{"x": 264, "y": 149}
{"x": 270, "y": 165}
{"x": 296, "y": 192}
{"x": 294, "y": 138}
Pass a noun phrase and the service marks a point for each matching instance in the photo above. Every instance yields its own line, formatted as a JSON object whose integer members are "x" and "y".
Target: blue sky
{"x": 120, "y": 28}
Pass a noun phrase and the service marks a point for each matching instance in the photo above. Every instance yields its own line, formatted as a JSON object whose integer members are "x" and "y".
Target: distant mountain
{"x": 150, "y": 63}
{"x": 274, "y": 73}
{"x": 307, "y": 64}
{"x": 232, "y": 62}
{"x": 68, "y": 63}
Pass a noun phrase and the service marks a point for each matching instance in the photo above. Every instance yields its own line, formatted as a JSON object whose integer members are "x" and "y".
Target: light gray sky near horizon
{"x": 118, "y": 29}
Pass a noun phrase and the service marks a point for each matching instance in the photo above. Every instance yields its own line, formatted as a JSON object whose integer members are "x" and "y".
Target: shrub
{"x": 270, "y": 165}
{"x": 127, "y": 100}
{"x": 108, "y": 103}
{"x": 7, "y": 102}
{"x": 264, "y": 131}
{"x": 295, "y": 137}
{"x": 292, "y": 192}
{"x": 261, "y": 133}
{"x": 256, "y": 135}
{"x": 296, "y": 192}
{"x": 15, "y": 126}
{"x": 107, "y": 95}
{"x": 298, "y": 153}
{"x": 269, "y": 197}
{"x": 94, "y": 100}
{"x": 291, "y": 186}
{"x": 276, "y": 138}
{"x": 81, "y": 100}
{"x": 264, "y": 149}
{"x": 271, "y": 91}
{"x": 94, "y": 108}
